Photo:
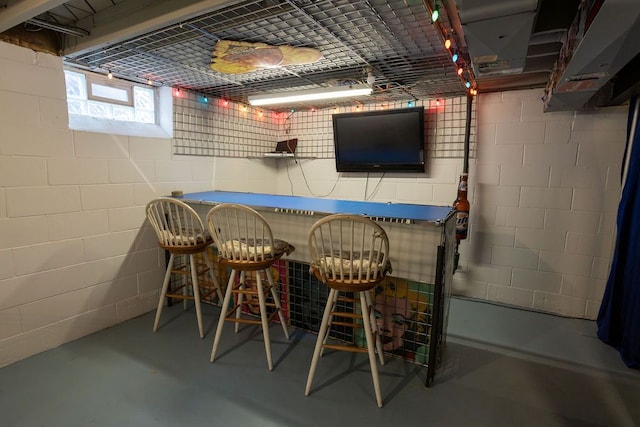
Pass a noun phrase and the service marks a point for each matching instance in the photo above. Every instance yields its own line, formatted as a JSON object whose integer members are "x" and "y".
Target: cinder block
{"x": 19, "y": 108}
{"x": 576, "y": 221}
{"x": 23, "y": 231}
{"x": 520, "y": 133}
{"x": 25, "y": 140}
{"x": 22, "y": 171}
{"x": 550, "y": 154}
{"x": 6, "y": 265}
{"x": 128, "y": 218}
{"x": 109, "y": 245}
{"x": 540, "y": 197}
{"x": 129, "y": 171}
{"x": 560, "y": 304}
{"x": 100, "y": 145}
{"x": 110, "y": 293}
{"x": 10, "y": 323}
{"x": 106, "y": 196}
{"x": 69, "y": 171}
{"x": 47, "y": 256}
{"x": 53, "y": 309}
{"x": 535, "y": 280}
{"x": 86, "y": 223}
{"x": 530, "y": 176}
{"x": 520, "y": 217}
{"x": 514, "y": 257}
{"x": 151, "y": 149}
{"x": 42, "y": 200}
{"x": 578, "y": 265}
{"x": 510, "y": 295}
{"x": 540, "y": 239}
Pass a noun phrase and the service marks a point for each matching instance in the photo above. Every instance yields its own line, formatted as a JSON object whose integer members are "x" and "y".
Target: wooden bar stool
{"x": 350, "y": 255}
{"x": 245, "y": 244}
{"x": 180, "y": 231}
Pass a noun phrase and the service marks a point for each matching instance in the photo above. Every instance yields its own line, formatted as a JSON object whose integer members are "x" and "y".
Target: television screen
{"x": 380, "y": 141}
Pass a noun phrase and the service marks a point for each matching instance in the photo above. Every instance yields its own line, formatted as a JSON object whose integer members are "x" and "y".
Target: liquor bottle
{"x": 461, "y": 206}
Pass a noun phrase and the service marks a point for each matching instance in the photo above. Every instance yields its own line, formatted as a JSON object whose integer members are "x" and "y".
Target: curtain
{"x": 619, "y": 316}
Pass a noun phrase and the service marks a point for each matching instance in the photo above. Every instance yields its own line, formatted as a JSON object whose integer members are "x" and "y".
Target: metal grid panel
{"x": 446, "y": 126}
{"x": 412, "y": 301}
{"x": 212, "y": 129}
{"x": 235, "y": 130}
{"x": 395, "y": 38}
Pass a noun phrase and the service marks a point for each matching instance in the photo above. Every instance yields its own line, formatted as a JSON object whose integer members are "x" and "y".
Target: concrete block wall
{"x": 544, "y": 197}
{"x": 544, "y": 190}
{"x": 76, "y": 254}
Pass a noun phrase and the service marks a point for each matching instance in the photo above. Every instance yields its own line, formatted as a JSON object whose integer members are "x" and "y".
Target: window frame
{"x": 92, "y": 79}
{"x": 162, "y": 126}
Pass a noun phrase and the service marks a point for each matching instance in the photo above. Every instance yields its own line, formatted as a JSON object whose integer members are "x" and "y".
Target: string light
{"x": 149, "y": 82}
{"x": 448, "y": 39}
{"x": 435, "y": 14}
{"x": 109, "y": 75}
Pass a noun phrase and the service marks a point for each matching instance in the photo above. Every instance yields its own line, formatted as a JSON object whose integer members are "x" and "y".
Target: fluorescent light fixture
{"x": 311, "y": 94}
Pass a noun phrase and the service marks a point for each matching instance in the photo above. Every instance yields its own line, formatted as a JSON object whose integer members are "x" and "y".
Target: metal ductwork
{"x": 602, "y": 40}
{"x": 584, "y": 51}
{"x": 497, "y": 34}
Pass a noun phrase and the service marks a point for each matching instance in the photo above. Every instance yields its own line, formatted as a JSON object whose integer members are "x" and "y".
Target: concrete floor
{"x": 501, "y": 367}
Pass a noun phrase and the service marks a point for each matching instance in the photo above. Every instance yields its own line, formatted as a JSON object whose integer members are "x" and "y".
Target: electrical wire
{"x": 306, "y": 182}
{"x": 287, "y": 131}
{"x": 375, "y": 189}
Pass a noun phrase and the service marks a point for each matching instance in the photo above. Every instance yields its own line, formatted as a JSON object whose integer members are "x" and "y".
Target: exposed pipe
{"x": 467, "y": 134}
{"x": 465, "y": 170}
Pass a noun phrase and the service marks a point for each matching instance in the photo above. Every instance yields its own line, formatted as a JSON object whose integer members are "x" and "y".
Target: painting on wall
{"x": 403, "y": 317}
{"x": 233, "y": 57}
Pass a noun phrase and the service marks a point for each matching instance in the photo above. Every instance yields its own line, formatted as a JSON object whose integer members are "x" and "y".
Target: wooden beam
{"x": 129, "y": 19}
{"x": 16, "y": 12}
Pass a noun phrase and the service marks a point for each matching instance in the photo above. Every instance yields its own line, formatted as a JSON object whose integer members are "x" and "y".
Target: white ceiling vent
{"x": 497, "y": 34}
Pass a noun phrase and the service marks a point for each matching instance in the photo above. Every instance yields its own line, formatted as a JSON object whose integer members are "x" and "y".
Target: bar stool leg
{"x": 333, "y": 304}
{"x": 214, "y": 279}
{"x": 185, "y": 290}
{"x": 370, "y": 350}
{"x": 265, "y": 320}
{"x": 223, "y": 314}
{"x": 241, "y": 287}
{"x": 163, "y": 292}
{"x": 196, "y": 293}
{"x": 276, "y": 300}
{"x": 372, "y": 319}
{"x": 324, "y": 328}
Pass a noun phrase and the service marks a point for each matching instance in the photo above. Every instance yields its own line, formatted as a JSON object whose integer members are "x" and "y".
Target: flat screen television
{"x": 380, "y": 141}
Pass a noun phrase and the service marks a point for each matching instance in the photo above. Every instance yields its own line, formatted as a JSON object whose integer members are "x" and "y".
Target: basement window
{"x": 99, "y": 104}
